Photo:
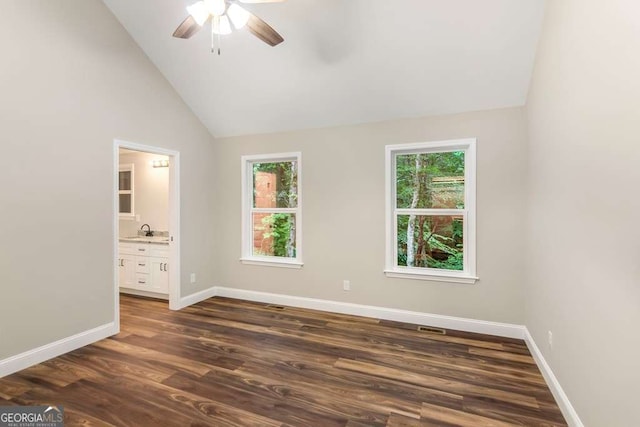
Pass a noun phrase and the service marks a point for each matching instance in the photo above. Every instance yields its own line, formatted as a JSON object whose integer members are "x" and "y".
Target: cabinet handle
{"x": 161, "y": 267}
{"x": 165, "y": 266}
{"x": 141, "y": 249}
{"x": 141, "y": 265}
{"x": 141, "y": 282}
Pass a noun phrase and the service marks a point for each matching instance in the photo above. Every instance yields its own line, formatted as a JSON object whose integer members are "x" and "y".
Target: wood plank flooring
{"x": 226, "y": 362}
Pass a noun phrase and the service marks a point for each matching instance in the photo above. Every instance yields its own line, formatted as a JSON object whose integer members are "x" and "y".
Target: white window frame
{"x": 248, "y": 210}
{"x": 392, "y": 269}
{"x": 127, "y": 167}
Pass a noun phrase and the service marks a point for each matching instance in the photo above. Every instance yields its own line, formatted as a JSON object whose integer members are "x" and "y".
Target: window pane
{"x": 274, "y": 235}
{"x": 125, "y": 203}
{"x": 275, "y": 185}
{"x": 430, "y": 180}
{"x": 430, "y": 241}
{"x": 124, "y": 182}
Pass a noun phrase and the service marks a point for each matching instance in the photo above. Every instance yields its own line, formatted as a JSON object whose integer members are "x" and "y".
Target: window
{"x": 431, "y": 211}
{"x": 125, "y": 191}
{"x": 271, "y": 210}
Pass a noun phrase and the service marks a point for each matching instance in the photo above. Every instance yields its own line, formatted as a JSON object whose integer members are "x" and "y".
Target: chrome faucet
{"x": 149, "y": 233}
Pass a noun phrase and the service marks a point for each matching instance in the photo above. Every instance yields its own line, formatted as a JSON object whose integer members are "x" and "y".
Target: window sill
{"x": 272, "y": 263}
{"x": 451, "y": 278}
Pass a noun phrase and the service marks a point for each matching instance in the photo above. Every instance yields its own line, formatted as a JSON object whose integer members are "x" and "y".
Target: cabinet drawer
{"x": 141, "y": 249}
{"x": 159, "y": 251}
{"x": 134, "y": 248}
{"x": 142, "y": 281}
{"x": 127, "y": 248}
{"x": 142, "y": 265}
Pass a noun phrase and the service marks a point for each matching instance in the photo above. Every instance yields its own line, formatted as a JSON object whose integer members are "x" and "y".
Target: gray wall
{"x": 72, "y": 80}
{"x": 584, "y": 241}
{"x": 343, "y": 209}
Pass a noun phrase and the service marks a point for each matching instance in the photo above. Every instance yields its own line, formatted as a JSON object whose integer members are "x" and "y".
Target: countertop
{"x": 158, "y": 240}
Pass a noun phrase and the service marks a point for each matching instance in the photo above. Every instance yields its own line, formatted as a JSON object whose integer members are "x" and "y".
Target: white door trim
{"x": 174, "y": 220}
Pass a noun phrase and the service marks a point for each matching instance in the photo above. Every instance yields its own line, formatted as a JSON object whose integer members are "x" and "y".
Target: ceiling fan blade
{"x": 187, "y": 28}
{"x": 263, "y": 31}
{"x": 261, "y": 1}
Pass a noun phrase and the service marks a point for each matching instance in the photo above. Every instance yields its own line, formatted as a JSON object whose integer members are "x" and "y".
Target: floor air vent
{"x": 432, "y": 330}
{"x": 275, "y": 307}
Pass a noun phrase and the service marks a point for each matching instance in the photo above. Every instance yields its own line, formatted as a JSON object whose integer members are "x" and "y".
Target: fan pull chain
{"x": 213, "y": 48}
{"x": 212, "y": 35}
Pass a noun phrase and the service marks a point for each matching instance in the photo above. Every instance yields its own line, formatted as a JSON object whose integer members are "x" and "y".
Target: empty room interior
{"x": 320, "y": 212}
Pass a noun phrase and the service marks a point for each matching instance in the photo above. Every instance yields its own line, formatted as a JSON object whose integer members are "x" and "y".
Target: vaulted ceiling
{"x": 344, "y": 61}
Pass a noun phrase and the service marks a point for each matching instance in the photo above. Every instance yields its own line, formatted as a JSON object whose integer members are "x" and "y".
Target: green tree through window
{"x": 274, "y": 201}
{"x": 430, "y": 181}
{"x": 272, "y": 215}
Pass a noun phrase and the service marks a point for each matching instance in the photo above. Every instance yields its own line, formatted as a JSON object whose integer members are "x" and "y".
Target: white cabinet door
{"x": 127, "y": 271}
{"x": 159, "y": 274}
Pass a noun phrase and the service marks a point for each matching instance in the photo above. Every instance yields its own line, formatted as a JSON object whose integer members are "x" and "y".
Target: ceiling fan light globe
{"x": 216, "y": 7}
{"x": 221, "y": 25}
{"x": 199, "y": 12}
{"x": 238, "y": 16}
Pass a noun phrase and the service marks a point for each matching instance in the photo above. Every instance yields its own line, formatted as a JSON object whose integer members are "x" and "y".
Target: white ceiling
{"x": 344, "y": 61}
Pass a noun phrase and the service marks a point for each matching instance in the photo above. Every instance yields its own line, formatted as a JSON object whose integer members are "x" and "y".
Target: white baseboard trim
{"x": 418, "y": 318}
{"x": 570, "y": 414}
{"x": 38, "y": 355}
{"x": 196, "y": 298}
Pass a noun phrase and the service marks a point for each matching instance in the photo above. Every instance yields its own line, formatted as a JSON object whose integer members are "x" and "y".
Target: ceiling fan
{"x": 223, "y": 14}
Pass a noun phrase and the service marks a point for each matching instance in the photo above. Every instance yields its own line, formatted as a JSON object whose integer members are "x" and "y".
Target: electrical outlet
{"x": 550, "y": 336}
{"x": 346, "y": 285}
{"x": 193, "y": 277}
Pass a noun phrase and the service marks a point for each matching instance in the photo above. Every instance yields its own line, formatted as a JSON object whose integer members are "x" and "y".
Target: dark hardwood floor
{"x": 226, "y": 362}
